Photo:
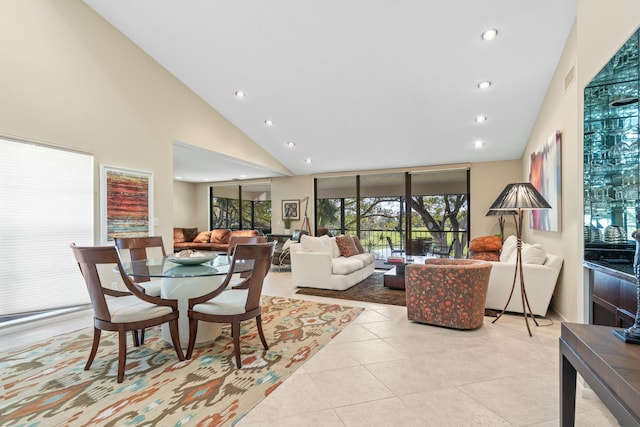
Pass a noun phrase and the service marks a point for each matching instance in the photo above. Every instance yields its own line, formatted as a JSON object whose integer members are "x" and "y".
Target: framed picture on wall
{"x": 126, "y": 203}
{"x": 545, "y": 174}
{"x": 291, "y": 209}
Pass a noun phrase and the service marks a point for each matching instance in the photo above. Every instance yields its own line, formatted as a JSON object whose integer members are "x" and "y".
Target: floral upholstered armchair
{"x": 447, "y": 292}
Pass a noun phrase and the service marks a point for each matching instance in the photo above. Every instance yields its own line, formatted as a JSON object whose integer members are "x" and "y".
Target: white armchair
{"x": 540, "y": 282}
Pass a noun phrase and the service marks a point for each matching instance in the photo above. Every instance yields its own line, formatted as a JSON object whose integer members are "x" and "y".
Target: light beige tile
{"x": 521, "y": 399}
{"x": 348, "y": 386}
{"x": 370, "y": 351}
{"x": 450, "y": 407}
{"x": 328, "y": 358}
{"x": 311, "y": 419}
{"x": 379, "y": 413}
{"x": 297, "y": 395}
{"x": 353, "y": 332}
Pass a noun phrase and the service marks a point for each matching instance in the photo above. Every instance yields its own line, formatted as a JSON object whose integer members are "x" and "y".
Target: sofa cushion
{"x": 316, "y": 244}
{"x": 190, "y": 234}
{"x": 346, "y": 246}
{"x": 178, "y": 235}
{"x": 247, "y": 233}
{"x": 356, "y": 241}
{"x": 220, "y": 235}
{"x": 203, "y": 237}
{"x": 508, "y": 248}
{"x": 486, "y": 244}
{"x": 342, "y": 265}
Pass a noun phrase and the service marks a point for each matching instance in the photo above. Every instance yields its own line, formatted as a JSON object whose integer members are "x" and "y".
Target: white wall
{"x": 184, "y": 200}
{"x": 70, "y": 79}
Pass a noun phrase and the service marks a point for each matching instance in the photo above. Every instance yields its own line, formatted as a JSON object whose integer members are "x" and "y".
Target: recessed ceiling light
{"x": 178, "y": 177}
{"x": 478, "y": 144}
{"x": 268, "y": 122}
{"x": 243, "y": 176}
{"x": 490, "y": 34}
{"x": 240, "y": 94}
{"x": 481, "y": 119}
{"x": 307, "y": 160}
{"x": 291, "y": 144}
{"x": 485, "y": 84}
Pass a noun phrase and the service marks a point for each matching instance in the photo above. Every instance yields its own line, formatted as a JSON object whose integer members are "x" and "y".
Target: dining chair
{"x": 235, "y": 240}
{"x": 121, "y": 311}
{"x": 237, "y": 304}
{"x": 139, "y": 248}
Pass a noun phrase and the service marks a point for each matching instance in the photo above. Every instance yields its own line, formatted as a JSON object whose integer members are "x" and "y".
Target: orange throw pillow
{"x": 486, "y": 244}
{"x": 220, "y": 235}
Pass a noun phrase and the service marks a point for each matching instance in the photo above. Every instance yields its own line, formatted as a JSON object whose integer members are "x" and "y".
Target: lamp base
{"x": 625, "y": 337}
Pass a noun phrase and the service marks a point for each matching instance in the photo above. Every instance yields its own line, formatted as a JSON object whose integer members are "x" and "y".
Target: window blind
{"x": 46, "y": 202}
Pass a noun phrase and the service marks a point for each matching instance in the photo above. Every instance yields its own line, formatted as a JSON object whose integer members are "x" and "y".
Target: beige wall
{"x": 559, "y": 112}
{"x": 184, "y": 200}
{"x": 291, "y": 188}
{"x": 488, "y": 179}
{"x": 70, "y": 79}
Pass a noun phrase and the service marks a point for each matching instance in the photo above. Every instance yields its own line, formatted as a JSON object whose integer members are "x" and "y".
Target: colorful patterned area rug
{"x": 46, "y": 385}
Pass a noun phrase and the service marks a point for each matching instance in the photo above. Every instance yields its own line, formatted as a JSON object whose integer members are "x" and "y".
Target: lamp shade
{"x": 496, "y": 212}
{"x": 519, "y": 195}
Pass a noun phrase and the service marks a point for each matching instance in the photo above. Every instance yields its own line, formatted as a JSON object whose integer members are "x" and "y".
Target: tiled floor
{"x": 386, "y": 371}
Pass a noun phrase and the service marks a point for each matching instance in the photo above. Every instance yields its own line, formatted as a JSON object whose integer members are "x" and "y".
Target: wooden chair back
{"x": 140, "y": 248}
{"x": 245, "y": 240}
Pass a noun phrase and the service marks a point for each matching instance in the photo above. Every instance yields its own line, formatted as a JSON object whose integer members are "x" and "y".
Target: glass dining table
{"x": 182, "y": 282}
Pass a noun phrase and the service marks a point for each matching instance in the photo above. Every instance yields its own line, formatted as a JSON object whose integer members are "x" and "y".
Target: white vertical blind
{"x": 46, "y": 202}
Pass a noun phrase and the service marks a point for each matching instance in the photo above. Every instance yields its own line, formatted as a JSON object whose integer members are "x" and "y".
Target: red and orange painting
{"x": 127, "y": 197}
{"x": 546, "y": 175}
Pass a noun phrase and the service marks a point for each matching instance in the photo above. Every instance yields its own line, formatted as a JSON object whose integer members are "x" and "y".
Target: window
{"x": 46, "y": 199}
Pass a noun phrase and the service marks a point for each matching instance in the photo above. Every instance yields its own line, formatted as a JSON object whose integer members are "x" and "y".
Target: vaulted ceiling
{"x": 356, "y": 84}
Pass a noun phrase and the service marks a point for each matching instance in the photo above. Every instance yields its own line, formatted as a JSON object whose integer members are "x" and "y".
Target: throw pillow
{"x": 203, "y": 237}
{"x": 316, "y": 244}
{"x": 534, "y": 254}
{"x": 356, "y": 241}
{"x": 178, "y": 235}
{"x": 220, "y": 235}
{"x": 508, "y": 248}
{"x": 190, "y": 234}
{"x": 346, "y": 246}
{"x": 486, "y": 244}
{"x": 531, "y": 254}
{"x": 485, "y": 256}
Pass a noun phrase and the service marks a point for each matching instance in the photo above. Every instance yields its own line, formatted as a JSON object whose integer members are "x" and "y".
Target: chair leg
{"x": 94, "y": 348}
{"x": 136, "y": 340}
{"x": 122, "y": 353}
{"x": 193, "y": 331}
{"x": 235, "y": 331}
{"x": 173, "y": 329}
{"x": 262, "y": 338}
{"x": 141, "y": 336}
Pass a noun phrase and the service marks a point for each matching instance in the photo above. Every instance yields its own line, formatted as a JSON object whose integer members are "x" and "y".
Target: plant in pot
{"x": 287, "y": 225}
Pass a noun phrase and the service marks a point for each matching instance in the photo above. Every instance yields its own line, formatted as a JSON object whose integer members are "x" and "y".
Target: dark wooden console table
{"x": 609, "y": 366}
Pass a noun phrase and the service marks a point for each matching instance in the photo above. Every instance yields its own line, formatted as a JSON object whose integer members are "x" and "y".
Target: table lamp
{"x": 500, "y": 214}
{"x": 517, "y": 197}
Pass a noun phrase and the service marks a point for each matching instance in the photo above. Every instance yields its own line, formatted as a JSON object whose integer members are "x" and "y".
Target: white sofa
{"x": 541, "y": 271}
{"x": 316, "y": 263}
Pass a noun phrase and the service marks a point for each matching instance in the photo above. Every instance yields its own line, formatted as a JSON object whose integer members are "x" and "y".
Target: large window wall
{"x": 418, "y": 212}
{"x": 241, "y": 207}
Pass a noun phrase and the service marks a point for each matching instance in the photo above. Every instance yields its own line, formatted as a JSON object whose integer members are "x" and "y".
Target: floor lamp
{"x": 517, "y": 197}
{"x": 500, "y": 214}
